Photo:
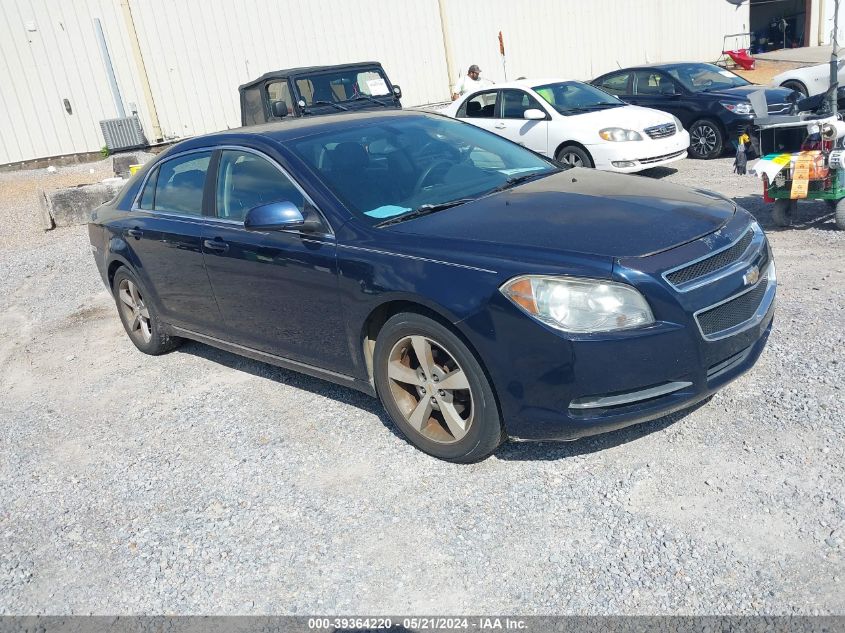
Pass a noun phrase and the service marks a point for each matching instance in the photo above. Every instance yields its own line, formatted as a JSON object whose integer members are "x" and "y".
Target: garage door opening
{"x": 777, "y": 24}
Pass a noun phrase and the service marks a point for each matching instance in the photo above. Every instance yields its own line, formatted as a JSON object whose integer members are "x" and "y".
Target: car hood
{"x": 582, "y": 211}
{"x": 740, "y": 93}
{"x": 629, "y": 116}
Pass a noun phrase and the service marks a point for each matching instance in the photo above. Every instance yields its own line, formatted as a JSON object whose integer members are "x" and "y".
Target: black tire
{"x": 784, "y": 212}
{"x": 572, "y": 155}
{"x": 794, "y": 84}
{"x": 159, "y": 341}
{"x": 839, "y": 215}
{"x": 706, "y": 139}
{"x": 484, "y": 432}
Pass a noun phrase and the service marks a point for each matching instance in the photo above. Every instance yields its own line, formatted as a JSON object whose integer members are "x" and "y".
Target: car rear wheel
{"x": 784, "y": 212}
{"x": 139, "y": 317}
{"x": 573, "y": 156}
{"x": 706, "y": 139}
{"x": 435, "y": 390}
{"x": 839, "y": 215}
{"x": 797, "y": 86}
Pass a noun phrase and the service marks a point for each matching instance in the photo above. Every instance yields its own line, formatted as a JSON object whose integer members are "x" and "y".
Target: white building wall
{"x": 197, "y": 52}
{"x": 580, "y": 39}
{"x": 49, "y": 52}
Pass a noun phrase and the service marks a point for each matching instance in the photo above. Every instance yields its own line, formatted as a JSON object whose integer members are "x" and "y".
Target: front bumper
{"x": 633, "y": 156}
{"x": 555, "y": 386}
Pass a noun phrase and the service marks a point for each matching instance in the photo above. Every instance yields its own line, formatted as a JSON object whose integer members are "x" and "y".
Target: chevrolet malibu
{"x": 480, "y": 291}
{"x": 576, "y": 123}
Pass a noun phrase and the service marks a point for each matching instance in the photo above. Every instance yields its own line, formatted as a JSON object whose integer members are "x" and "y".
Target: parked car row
{"x": 628, "y": 120}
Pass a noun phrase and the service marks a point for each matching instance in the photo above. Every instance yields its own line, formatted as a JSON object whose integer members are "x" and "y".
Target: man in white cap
{"x": 470, "y": 82}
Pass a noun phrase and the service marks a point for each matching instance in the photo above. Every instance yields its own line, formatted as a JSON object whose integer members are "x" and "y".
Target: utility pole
{"x": 834, "y": 60}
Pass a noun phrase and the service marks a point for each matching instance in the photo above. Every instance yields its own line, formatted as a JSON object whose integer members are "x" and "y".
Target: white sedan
{"x": 575, "y": 123}
{"x": 810, "y": 80}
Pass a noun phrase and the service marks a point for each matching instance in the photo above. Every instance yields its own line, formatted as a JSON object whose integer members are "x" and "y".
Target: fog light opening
{"x": 624, "y": 163}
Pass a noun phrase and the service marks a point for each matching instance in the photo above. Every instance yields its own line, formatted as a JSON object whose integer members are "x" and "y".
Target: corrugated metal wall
{"x": 580, "y": 39}
{"x": 197, "y": 52}
{"x": 49, "y": 52}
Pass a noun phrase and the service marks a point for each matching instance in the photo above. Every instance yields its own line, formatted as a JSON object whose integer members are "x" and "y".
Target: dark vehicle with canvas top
{"x": 317, "y": 90}
{"x": 480, "y": 290}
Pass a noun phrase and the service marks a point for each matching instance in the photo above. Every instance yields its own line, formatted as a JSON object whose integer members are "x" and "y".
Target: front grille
{"x": 657, "y": 159}
{"x": 733, "y": 312}
{"x": 779, "y": 108}
{"x": 661, "y": 131}
{"x": 711, "y": 264}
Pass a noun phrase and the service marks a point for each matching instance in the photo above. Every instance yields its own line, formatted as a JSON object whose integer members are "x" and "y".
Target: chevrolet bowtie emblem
{"x": 751, "y": 276}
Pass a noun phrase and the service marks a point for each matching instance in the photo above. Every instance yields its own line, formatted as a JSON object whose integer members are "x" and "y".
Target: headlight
{"x": 579, "y": 305}
{"x": 619, "y": 134}
{"x": 678, "y": 125}
{"x": 738, "y": 108}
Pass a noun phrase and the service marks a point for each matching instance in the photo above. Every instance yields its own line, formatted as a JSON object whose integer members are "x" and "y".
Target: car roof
{"x": 657, "y": 65}
{"x": 303, "y": 70}
{"x": 528, "y": 83}
{"x": 298, "y": 127}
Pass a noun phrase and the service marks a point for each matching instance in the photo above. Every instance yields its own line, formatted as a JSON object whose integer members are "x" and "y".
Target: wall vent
{"x": 123, "y": 133}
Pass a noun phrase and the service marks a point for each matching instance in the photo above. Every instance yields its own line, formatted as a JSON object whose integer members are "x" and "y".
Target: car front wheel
{"x": 435, "y": 390}
{"x": 573, "y": 156}
{"x": 794, "y": 84}
{"x": 706, "y": 139}
{"x": 138, "y": 316}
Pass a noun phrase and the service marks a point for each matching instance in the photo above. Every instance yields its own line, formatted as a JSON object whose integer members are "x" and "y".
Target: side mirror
{"x": 397, "y": 92}
{"x": 534, "y": 114}
{"x": 279, "y": 109}
{"x": 278, "y": 216}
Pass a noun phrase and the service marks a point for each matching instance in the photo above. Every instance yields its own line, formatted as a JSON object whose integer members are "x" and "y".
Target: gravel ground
{"x": 202, "y": 482}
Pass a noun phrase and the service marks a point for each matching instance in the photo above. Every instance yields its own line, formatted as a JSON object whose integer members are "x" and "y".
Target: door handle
{"x": 217, "y": 246}
{"x": 136, "y": 233}
{"x": 500, "y": 126}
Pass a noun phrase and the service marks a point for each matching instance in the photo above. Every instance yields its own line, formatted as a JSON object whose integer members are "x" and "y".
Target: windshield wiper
{"x": 329, "y": 103}
{"x": 423, "y": 210}
{"x": 363, "y": 96}
{"x": 518, "y": 180}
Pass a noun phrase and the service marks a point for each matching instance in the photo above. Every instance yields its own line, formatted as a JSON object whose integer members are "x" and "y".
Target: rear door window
{"x": 176, "y": 185}
{"x": 616, "y": 84}
{"x": 480, "y": 106}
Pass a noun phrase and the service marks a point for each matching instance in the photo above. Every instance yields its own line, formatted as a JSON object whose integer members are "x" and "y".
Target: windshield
{"x": 390, "y": 168}
{"x": 569, "y": 97}
{"x": 342, "y": 86}
{"x": 705, "y": 77}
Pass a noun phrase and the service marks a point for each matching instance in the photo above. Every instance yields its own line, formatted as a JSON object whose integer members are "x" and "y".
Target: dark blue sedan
{"x": 479, "y": 290}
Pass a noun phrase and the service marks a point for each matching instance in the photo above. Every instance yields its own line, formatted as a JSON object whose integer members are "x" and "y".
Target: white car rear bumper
{"x": 632, "y": 156}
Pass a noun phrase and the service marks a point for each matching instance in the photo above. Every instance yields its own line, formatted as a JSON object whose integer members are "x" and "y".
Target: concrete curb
{"x": 73, "y": 205}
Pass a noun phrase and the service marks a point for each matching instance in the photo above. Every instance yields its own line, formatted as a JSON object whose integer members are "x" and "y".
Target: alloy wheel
{"x": 703, "y": 139}
{"x": 135, "y": 311}
{"x": 571, "y": 158}
{"x": 430, "y": 389}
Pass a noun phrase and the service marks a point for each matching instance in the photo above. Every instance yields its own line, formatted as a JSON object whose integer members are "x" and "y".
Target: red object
{"x": 766, "y": 197}
{"x": 741, "y": 58}
{"x": 501, "y": 44}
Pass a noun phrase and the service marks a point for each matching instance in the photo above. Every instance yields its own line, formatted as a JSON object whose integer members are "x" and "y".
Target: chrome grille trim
{"x": 661, "y": 131}
{"x": 769, "y": 278}
{"x": 758, "y": 240}
{"x": 657, "y": 159}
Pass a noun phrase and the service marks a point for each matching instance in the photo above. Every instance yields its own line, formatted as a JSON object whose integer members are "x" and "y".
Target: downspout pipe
{"x": 447, "y": 46}
{"x": 142, "y": 70}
